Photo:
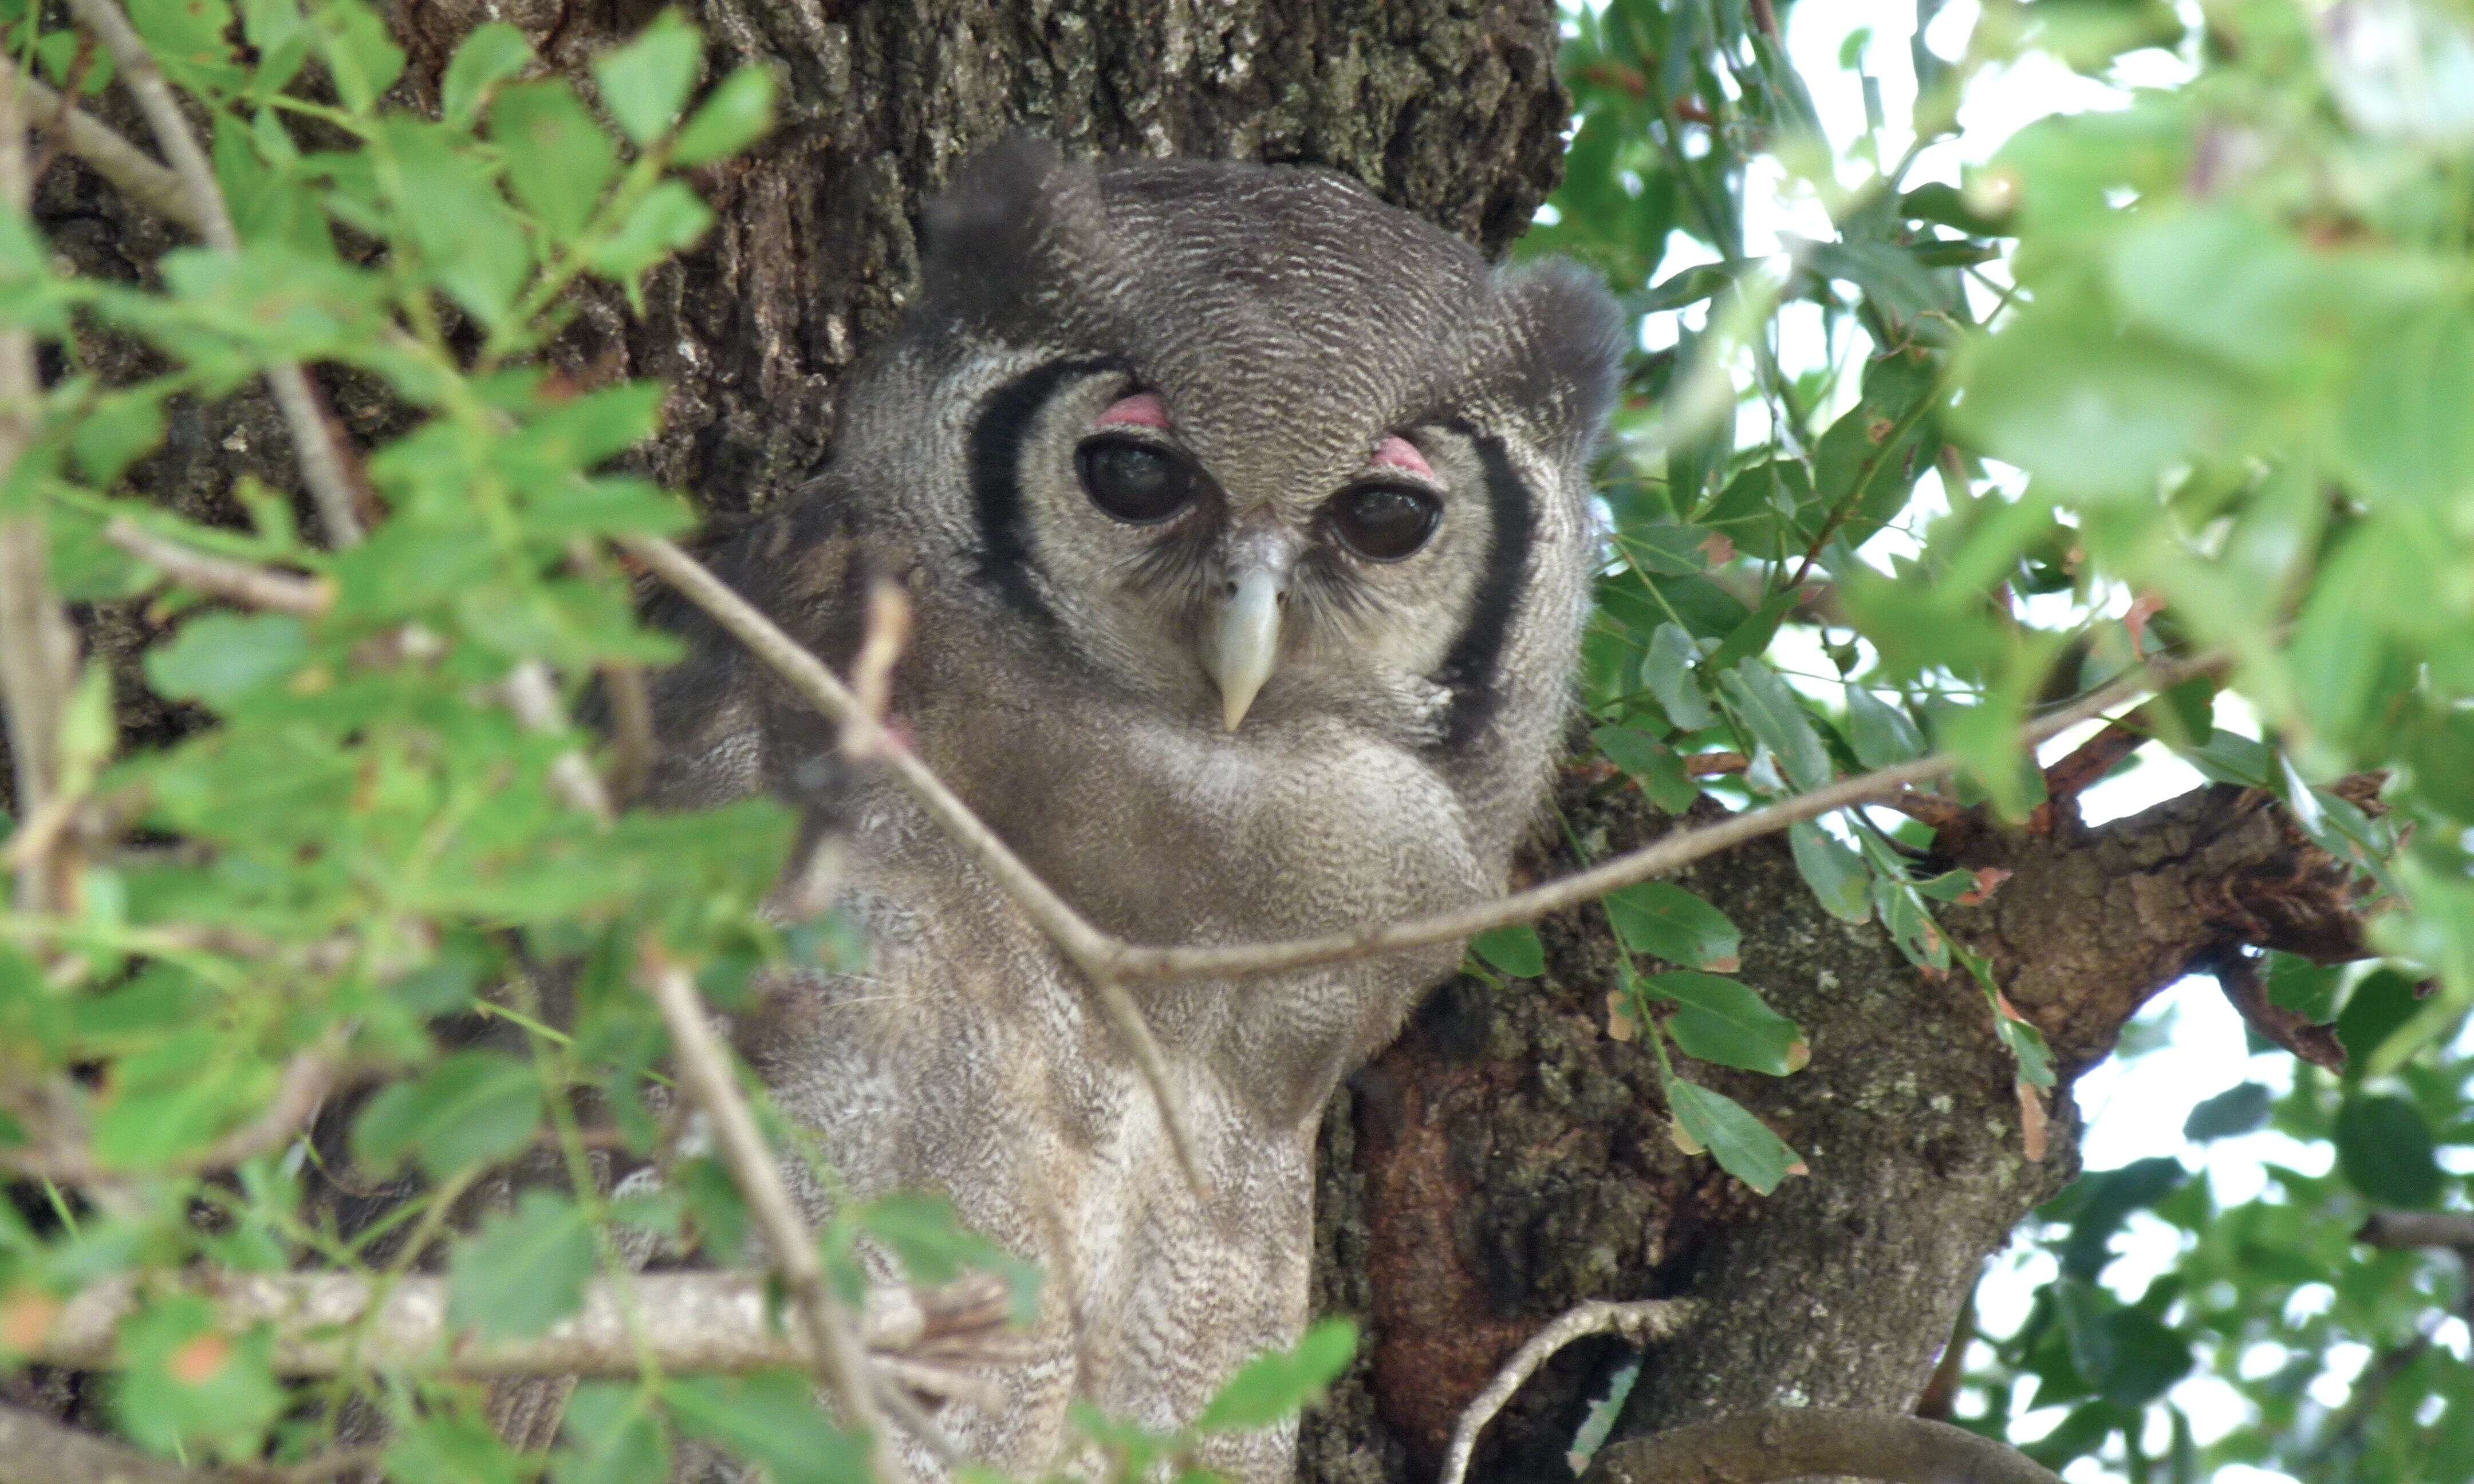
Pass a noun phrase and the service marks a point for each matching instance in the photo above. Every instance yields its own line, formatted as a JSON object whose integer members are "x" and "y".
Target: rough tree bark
{"x": 1508, "y": 1158}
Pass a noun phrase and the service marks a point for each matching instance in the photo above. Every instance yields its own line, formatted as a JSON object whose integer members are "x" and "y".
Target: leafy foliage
{"x": 2189, "y": 373}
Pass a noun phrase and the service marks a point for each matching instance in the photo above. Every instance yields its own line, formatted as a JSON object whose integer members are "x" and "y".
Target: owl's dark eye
{"x": 1383, "y": 522}
{"x": 1134, "y": 481}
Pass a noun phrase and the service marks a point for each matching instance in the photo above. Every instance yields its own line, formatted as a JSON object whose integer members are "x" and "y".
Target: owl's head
{"x": 1247, "y": 446}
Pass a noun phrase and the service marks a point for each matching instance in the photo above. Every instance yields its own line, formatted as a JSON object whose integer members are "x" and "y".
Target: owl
{"x": 1246, "y": 525}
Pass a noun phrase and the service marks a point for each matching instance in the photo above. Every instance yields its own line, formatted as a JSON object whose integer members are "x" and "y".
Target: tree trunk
{"x": 1509, "y": 1157}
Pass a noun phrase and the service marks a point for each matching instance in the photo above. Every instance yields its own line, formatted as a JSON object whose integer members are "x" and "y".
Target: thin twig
{"x": 1104, "y": 958}
{"x": 313, "y": 440}
{"x": 118, "y": 161}
{"x": 703, "y": 1074}
{"x": 2393, "y": 1229}
{"x": 1641, "y": 1321}
{"x": 1085, "y": 946}
{"x": 534, "y": 698}
{"x": 308, "y": 1080}
{"x": 221, "y": 577}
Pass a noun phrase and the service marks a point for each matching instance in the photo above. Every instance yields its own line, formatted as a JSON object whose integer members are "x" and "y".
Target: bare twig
{"x": 534, "y": 698}
{"x": 308, "y": 1080}
{"x": 1793, "y": 1443}
{"x": 313, "y": 440}
{"x": 633, "y": 750}
{"x": 888, "y": 634}
{"x": 1641, "y": 1321}
{"x": 221, "y": 577}
{"x": 703, "y": 1074}
{"x": 721, "y": 1323}
{"x": 123, "y": 164}
{"x": 35, "y": 1450}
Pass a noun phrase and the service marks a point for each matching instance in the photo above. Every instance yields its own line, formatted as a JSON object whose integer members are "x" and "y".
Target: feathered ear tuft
{"x": 1565, "y": 335}
{"x": 1005, "y": 236}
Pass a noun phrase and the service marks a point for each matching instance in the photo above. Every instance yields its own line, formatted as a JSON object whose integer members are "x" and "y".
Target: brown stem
{"x": 1641, "y": 1321}
{"x": 119, "y": 162}
{"x": 308, "y": 1080}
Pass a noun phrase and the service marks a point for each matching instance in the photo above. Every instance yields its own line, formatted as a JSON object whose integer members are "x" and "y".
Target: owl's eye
{"x": 1135, "y": 482}
{"x": 1383, "y": 522}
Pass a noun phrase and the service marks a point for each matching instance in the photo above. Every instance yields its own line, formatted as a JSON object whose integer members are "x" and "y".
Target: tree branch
{"x": 705, "y": 1076}
{"x": 1641, "y": 1321}
{"x": 2395, "y": 1228}
{"x": 1792, "y": 1443}
{"x": 313, "y": 440}
{"x": 722, "y": 1322}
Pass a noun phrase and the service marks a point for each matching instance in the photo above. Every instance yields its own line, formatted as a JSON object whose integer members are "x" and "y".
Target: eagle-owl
{"x": 1247, "y": 528}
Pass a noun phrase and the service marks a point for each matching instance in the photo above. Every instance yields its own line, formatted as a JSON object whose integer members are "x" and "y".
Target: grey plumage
{"x": 1070, "y": 676}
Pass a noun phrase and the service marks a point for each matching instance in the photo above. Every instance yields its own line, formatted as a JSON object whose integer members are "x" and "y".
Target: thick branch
{"x": 1792, "y": 1443}
{"x": 313, "y": 440}
{"x": 694, "y": 1322}
{"x": 703, "y": 1074}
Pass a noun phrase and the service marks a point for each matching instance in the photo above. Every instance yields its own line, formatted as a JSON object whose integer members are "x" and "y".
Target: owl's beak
{"x": 1247, "y": 645}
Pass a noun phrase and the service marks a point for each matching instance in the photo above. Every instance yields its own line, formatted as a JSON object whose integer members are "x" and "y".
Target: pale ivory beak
{"x": 1247, "y": 646}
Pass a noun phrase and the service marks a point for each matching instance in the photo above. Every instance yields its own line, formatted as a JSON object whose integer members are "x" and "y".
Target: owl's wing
{"x": 726, "y": 726}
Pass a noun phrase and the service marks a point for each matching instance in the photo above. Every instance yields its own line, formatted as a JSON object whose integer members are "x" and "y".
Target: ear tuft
{"x": 1006, "y": 234}
{"x": 1566, "y": 335}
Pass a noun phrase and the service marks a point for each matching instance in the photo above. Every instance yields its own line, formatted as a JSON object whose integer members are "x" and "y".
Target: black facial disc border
{"x": 1006, "y": 562}
{"x": 1469, "y": 670}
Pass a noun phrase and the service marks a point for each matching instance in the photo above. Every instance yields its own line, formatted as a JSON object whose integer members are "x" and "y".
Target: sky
{"x": 2190, "y": 1044}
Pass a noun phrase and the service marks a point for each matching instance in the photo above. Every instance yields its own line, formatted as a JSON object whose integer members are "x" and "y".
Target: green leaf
{"x": 457, "y": 1444}
{"x": 1742, "y": 1144}
{"x": 2238, "y": 1110}
{"x": 773, "y": 1419}
{"x": 1838, "y": 877}
{"x": 670, "y": 219}
{"x": 1662, "y": 919}
{"x": 121, "y": 428}
{"x": 490, "y": 56}
{"x": 2404, "y": 434}
{"x": 1273, "y": 1387}
{"x": 1881, "y": 733}
{"x": 2384, "y": 1150}
{"x": 1779, "y": 722}
{"x": 1669, "y": 670}
{"x": 613, "y": 1436}
{"x": 733, "y": 116}
{"x": 645, "y": 82}
{"x": 185, "y": 1381}
{"x": 219, "y": 659}
{"x": 1513, "y": 949}
{"x": 2383, "y": 1002}
{"x": 524, "y": 1271}
{"x": 1651, "y": 763}
{"x": 360, "y": 53}
{"x": 1725, "y": 1021}
{"x": 2296, "y": 983}
{"x": 473, "y": 1107}
{"x": 558, "y": 160}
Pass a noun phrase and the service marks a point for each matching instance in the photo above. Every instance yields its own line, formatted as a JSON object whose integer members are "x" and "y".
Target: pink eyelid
{"x": 1145, "y": 410}
{"x": 1142, "y": 410}
{"x": 1398, "y": 452}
